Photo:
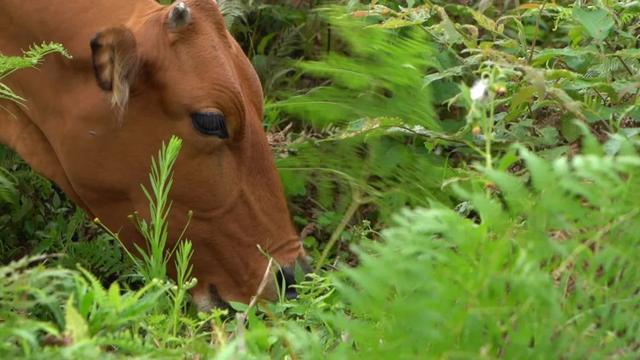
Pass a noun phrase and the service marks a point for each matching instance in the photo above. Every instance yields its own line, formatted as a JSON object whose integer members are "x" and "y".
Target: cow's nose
{"x": 207, "y": 298}
{"x": 286, "y": 280}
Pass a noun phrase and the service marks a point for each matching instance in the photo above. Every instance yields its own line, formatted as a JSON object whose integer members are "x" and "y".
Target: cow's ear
{"x": 115, "y": 62}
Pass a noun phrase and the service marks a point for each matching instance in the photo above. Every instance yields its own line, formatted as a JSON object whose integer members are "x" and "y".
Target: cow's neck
{"x": 71, "y": 23}
{"x": 54, "y": 91}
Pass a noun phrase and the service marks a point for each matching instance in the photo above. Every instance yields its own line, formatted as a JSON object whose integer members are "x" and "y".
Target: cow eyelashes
{"x": 210, "y": 123}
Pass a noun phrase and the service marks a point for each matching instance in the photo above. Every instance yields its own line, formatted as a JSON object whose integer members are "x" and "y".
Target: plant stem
{"x": 535, "y": 33}
{"x": 625, "y": 64}
{"x": 353, "y": 207}
{"x": 488, "y": 137}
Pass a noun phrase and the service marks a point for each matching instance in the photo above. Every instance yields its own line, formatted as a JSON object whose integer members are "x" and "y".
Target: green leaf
{"x": 596, "y": 22}
{"x": 524, "y": 95}
{"x": 30, "y": 58}
{"x": 75, "y": 324}
{"x": 569, "y": 129}
{"x": 293, "y": 182}
{"x": 114, "y": 295}
{"x": 265, "y": 42}
{"x": 549, "y": 135}
{"x": 238, "y": 306}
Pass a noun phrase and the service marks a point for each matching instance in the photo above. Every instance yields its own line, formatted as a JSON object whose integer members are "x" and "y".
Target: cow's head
{"x": 177, "y": 70}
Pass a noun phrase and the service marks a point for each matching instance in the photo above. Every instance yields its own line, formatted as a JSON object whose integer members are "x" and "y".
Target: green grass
{"x": 443, "y": 221}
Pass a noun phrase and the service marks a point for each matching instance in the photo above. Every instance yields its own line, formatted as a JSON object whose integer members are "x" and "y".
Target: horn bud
{"x": 180, "y": 16}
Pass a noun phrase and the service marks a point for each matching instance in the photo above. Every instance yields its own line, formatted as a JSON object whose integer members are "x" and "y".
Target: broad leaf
{"x": 597, "y": 22}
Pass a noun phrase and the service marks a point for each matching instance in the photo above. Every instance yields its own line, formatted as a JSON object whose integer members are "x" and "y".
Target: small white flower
{"x": 479, "y": 89}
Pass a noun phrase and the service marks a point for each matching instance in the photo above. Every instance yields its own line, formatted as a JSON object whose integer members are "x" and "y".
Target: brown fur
{"x": 156, "y": 75}
{"x": 115, "y": 62}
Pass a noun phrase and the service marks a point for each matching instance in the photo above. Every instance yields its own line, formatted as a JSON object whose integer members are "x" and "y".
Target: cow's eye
{"x": 210, "y": 123}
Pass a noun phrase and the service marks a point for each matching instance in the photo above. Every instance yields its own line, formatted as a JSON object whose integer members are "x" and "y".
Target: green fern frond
{"x": 30, "y": 58}
{"x": 233, "y": 10}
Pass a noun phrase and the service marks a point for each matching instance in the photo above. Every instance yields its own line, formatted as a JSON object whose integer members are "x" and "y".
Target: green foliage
{"x": 367, "y": 142}
{"x": 368, "y": 114}
{"x": 24, "y": 288}
{"x": 31, "y": 58}
{"x": 274, "y": 34}
{"x": 94, "y": 317}
{"x": 597, "y": 22}
{"x": 384, "y": 69}
{"x": 466, "y": 177}
{"x": 544, "y": 270}
{"x": 102, "y": 310}
{"x": 151, "y": 262}
{"x": 8, "y": 192}
{"x": 35, "y": 218}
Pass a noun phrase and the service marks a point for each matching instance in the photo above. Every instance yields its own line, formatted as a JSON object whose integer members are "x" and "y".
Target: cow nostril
{"x": 286, "y": 278}
{"x": 291, "y": 294}
{"x": 210, "y": 299}
{"x": 216, "y": 299}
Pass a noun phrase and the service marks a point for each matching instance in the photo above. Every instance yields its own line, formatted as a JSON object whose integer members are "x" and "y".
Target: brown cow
{"x": 141, "y": 72}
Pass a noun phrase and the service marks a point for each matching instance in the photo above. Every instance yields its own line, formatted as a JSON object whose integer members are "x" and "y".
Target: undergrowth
{"x": 465, "y": 177}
